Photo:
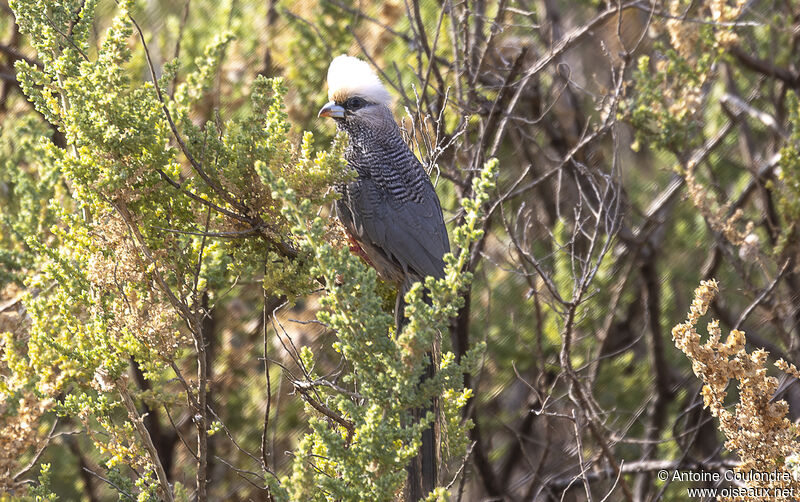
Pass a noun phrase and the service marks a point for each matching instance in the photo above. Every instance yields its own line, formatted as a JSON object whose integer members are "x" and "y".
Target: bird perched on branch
{"x": 390, "y": 211}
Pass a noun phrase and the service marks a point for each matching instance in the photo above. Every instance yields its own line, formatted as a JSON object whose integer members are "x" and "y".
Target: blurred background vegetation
{"x": 642, "y": 146}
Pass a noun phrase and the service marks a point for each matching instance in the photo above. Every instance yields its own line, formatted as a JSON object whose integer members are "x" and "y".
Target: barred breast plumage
{"x": 391, "y": 208}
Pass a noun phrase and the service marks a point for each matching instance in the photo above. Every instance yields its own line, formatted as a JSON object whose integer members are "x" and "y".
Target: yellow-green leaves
{"x": 369, "y": 463}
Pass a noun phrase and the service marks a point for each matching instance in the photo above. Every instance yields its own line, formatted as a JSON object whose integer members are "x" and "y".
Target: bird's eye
{"x": 355, "y": 103}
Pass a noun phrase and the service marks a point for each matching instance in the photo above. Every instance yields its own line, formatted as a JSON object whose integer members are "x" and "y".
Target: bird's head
{"x": 357, "y": 95}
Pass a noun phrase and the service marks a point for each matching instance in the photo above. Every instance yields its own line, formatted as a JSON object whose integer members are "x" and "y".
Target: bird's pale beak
{"x": 331, "y": 109}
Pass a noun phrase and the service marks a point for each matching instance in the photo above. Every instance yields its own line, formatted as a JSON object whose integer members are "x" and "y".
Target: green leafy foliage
{"x": 789, "y": 204}
{"x": 363, "y": 457}
{"x": 164, "y": 214}
{"x": 167, "y": 237}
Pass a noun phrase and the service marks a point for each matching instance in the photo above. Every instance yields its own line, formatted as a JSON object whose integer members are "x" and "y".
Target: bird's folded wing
{"x": 410, "y": 233}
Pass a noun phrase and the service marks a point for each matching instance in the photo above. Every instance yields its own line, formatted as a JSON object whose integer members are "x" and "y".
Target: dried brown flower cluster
{"x": 142, "y": 313}
{"x": 690, "y": 43}
{"x": 724, "y": 14}
{"x": 684, "y": 36}
{"x": 757, "y": 429}
{"x": 20, "y": 410}
{"x": 682, "y": 100}
{"x": 19, "y": 433}
{"x": 718, "y": 217}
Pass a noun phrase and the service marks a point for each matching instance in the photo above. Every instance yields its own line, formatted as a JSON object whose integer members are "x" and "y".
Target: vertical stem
{"x": 122, "y": 386}
{"x": 201, "y": 416}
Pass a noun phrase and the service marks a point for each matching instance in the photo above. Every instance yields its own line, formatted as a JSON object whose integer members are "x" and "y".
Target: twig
{"x": 579, "y": 448}
{"x": 346, "y": 424}
{"x": 221, "y": 235}
{"x": 321, "y": 382}
{"x": 38, "y": 453}
{"x": 179, "y": 39}
{"x": 119, "y": 489}
{"x": 760, "y": 298}
{"x": 461, "y": 467}
{"x": 737, "y": 105}
{"x": 792, "y": 79}
{"x": 138, "y": 424}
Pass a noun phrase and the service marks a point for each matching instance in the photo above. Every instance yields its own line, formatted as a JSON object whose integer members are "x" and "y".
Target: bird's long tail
{"x": 424, "y": 467}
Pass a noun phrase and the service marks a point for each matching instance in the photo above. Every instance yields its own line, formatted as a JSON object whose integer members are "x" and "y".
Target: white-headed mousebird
{"x": 390, "y": 211}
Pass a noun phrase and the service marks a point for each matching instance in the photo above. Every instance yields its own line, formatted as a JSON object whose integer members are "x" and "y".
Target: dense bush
{"x": 182, "y": 317}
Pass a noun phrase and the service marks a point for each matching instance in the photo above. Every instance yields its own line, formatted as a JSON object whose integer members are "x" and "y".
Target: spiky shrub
{"x": 363, "y": 456}
{"x": 151, "y": 218}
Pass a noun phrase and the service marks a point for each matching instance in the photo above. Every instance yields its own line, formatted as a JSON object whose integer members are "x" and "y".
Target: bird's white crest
{"x": 349, "y": 76}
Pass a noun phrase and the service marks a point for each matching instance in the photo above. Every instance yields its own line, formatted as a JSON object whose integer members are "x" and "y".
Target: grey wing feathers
{"x": 410, "y": 233}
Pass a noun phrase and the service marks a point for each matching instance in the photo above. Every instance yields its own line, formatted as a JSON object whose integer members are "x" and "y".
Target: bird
{"x": 390, "y": 211}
